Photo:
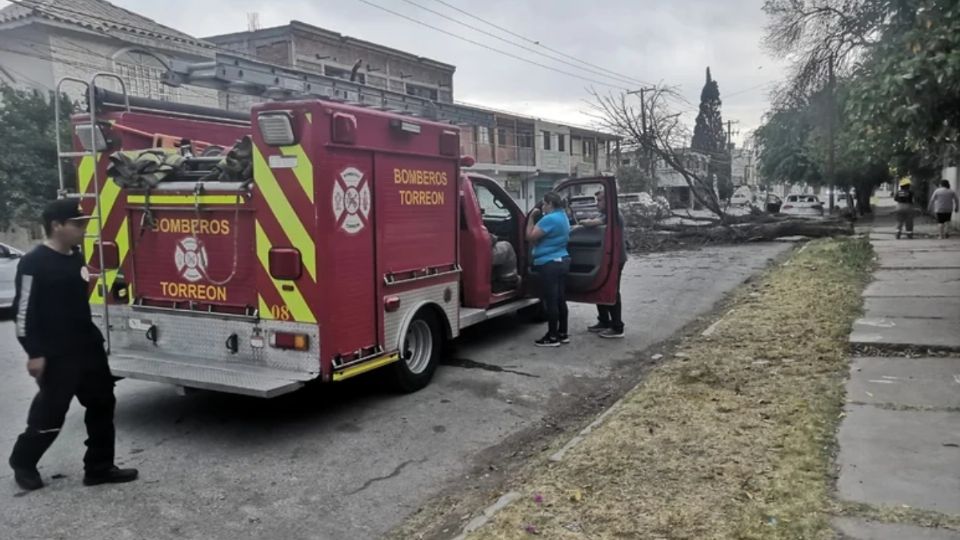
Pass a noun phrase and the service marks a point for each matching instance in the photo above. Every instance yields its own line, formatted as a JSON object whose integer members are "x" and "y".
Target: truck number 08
{"x": 280, "y": 313}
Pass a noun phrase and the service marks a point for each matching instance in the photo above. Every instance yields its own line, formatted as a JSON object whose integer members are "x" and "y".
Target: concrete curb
{"x": 488, "y": 514}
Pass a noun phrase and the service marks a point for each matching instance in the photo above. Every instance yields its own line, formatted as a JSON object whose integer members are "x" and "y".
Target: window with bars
{"x": 143, "y": 73}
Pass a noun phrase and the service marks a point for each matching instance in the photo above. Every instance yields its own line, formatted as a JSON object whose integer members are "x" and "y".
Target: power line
{"x": 488, "y": 47}
{"x": 617, "y": 78}
{"x": 537, "y": 43}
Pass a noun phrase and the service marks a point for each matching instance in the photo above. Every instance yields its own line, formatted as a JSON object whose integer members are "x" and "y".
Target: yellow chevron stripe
{"x": 265, "y": 312}
{"x": 304, "y": 169}
{"x": 108, "y": 197}
{"x": 85, "y": 173}
{"x": 184, "y": 199}
{"x": 123, "y": 248}
{"x": 284, "y": 213}
{"x": 299, "y": 309}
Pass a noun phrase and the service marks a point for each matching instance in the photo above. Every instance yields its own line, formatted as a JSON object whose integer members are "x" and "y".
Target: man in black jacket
{"x": 65, "y": 351}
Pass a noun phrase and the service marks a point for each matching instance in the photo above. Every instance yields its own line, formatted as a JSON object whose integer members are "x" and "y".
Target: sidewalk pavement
{"x": 900, "y": 437}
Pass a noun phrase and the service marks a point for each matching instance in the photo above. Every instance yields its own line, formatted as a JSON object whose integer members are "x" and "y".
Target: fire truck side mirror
{"x": 467, "y": 161}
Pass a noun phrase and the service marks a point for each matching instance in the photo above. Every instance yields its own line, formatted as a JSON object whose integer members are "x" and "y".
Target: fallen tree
{"x": 764, "y": 228}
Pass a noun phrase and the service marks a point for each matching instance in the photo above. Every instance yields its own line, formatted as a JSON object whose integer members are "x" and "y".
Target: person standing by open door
{"x": 65, "y": 351}
{"x": 609, "y": 318}
{"x": 551, "y": 261}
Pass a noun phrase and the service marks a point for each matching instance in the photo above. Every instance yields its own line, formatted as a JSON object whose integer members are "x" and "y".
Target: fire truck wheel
{"x": 419, "y": 354}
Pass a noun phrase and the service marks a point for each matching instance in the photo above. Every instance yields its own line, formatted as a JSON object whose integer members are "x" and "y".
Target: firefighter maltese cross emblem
{"x": 351, "y": 200}
{"x": 191, "y": 259}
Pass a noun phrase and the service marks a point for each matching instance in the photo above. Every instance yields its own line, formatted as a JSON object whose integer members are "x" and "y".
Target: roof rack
{"x": 107, "y": 100}
{"x": 242, "y": 75}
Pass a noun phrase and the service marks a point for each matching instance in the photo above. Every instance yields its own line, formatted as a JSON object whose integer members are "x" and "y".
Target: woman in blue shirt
{"x": 551, "y": 261}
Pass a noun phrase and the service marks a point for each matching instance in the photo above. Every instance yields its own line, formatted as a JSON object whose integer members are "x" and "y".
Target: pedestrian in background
{"x": 65, "y": 351}
{"x": 904, "y": 198}
{"x": 551, "y": 261}
{"x": 609, "y": 318}
{"x": 943, "y": 204}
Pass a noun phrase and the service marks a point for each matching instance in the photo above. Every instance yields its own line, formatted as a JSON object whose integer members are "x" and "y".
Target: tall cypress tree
{"x": 710, "y": 139}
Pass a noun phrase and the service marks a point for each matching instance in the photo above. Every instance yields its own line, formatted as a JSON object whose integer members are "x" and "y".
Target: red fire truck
{"x": 358, "y": 240}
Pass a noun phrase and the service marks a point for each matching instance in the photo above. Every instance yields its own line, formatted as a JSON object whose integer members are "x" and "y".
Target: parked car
{"x": 741, "y": 198}
{"x": 9, "y": 258}
{"x": 802, "y": 206}
{"x": 773, "y": 203}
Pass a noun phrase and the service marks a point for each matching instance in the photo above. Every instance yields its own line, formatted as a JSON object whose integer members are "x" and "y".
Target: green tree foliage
{"x": 898, "y": 62}
{"x": 786, "y": 148}
{"x": 709, "y": 137}
{"x": 905, "y": 96}
{"x": 28, "y": 155}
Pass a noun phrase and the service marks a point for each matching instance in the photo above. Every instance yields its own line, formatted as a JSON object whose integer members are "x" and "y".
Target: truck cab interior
{"x": 492, "y": 245}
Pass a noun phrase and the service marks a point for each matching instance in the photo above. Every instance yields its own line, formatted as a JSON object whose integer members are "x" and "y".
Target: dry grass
{"x": 732, "y": 439}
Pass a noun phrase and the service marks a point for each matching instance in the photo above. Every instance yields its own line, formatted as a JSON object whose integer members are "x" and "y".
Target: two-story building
{"x": 42, "y": 41}
{"x": 318, "y": 50}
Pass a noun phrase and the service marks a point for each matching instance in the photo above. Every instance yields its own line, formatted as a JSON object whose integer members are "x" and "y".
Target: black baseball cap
{"x": 63, "y": 210}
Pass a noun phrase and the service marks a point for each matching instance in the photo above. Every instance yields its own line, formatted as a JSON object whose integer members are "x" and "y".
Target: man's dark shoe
{"x": 599, "y": 327}
{"x": 27, "y": 479}
{"x": 611, "y": 333}
{"x": 564, "y": 339}
{"x": 113, "y": 475}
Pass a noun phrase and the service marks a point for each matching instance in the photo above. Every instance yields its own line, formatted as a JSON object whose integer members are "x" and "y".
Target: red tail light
{"x": 787, "y": 207}
{"x": 285, "y": 263}
{"x": 286, "y": 340}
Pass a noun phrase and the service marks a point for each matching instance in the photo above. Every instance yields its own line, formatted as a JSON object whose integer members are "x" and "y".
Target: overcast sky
{"x": 647, "y": 40}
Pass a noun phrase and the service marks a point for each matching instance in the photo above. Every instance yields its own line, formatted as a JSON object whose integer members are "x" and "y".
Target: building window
{"x": 142, "y": 73}
{"x": 587, "y": 148}
{"x": 422, "y": 91}
{"x": 501, "y": 136}
{"x": 561, "y": 142}
{"x": 483, "y": 135}
{"x": 546, "y": 140}
{"x": 340, "y": 73}
{"x": 525, "y": 140}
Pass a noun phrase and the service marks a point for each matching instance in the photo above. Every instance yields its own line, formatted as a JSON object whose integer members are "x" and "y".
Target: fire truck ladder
{"x": 92, "y": 141}
{"x": 236, "y": 74}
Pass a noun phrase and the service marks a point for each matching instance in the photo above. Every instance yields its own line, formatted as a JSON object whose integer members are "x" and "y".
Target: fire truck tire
{"x": 419, "y": 353}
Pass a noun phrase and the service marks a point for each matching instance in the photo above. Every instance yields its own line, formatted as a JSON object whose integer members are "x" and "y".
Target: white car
{"x": 802, "y": 206}
{"x": 9, "y": 258}
{"x": 741, "y": 198}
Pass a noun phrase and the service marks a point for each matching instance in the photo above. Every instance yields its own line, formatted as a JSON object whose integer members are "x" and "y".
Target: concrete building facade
{"x": 42, "y": 41}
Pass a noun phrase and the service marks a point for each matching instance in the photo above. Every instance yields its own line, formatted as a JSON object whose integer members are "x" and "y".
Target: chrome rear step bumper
{"x": 234, "y": 378}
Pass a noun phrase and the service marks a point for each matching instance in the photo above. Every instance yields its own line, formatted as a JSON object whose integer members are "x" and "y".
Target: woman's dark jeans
{"x": 553, "y": 277}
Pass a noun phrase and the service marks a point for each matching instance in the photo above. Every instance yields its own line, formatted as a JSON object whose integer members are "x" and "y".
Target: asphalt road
{"x": 347, "y": 461}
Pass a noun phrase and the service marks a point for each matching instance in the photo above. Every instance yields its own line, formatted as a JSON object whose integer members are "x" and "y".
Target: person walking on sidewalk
{"x": 551, "y": 261}
{"x": 904, "y": 198}
{"x": 943, "y": 204}
{"x": 609, "y": 318}
{"x": 65, "y": 351}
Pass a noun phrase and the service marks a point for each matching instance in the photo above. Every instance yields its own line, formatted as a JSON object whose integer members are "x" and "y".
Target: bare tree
{"x": 663, "y": 136}
{"x": 820, "y": 36}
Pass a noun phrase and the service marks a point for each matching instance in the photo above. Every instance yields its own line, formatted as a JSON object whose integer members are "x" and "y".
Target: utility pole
{"x": 831, "y": 110}
{"x": 729, "y": 150}
{"x": 645, "y": 138}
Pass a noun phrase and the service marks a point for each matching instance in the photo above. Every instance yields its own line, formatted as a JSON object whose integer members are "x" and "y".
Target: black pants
{"x": 553, "y": 277}
{"x": 612, "y": 316}
{"x": 86, "y": 376}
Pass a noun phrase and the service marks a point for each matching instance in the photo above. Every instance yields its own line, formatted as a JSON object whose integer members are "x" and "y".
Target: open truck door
{"x": 596, "y": 257}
